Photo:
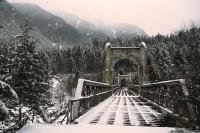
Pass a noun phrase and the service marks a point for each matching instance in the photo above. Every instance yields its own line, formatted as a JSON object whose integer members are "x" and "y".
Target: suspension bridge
{"x": 119, "y": 101}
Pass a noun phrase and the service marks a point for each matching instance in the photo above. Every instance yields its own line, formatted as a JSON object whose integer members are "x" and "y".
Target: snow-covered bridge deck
{"x": 123, "y": 108}
{"x": 152, "y": 111}
{"x": 45, "y": 128}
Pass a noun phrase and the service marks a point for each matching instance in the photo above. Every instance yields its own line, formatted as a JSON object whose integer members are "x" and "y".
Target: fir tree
{"x": 31, "y": 79}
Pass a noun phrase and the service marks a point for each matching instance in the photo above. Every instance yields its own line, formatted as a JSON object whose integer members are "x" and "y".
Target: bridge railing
{"x": 135, "y": 89}
{"x": 88, "y": 94}
{"x": 174, "y": 96}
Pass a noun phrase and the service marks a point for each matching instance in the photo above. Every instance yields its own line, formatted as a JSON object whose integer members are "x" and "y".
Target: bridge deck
{"x": 123, "y": 108}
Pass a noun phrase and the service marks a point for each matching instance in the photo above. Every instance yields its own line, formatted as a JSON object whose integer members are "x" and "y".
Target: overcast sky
{"x": 163, "y": 16}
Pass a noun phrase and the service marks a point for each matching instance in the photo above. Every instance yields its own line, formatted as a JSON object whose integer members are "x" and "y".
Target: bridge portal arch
{"x": 124, "y": 66}
{"x": 137, "y": 55}
{"x": 125, "y": 69}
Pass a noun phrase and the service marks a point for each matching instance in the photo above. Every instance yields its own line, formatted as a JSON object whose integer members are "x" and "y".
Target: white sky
{"x": 163, "y": 16}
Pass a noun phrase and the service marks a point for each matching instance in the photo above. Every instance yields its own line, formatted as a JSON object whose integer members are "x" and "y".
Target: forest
{"x": 26, "y": 71}
{"x": 169, "y": 57}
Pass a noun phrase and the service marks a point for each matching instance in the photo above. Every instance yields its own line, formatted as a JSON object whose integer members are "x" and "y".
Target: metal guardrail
{"x": 173, "y": 96}
{"x": 135, "y": 89}
{"x": 88, "y": 95}
{"x": 87, "y": 88}
{"x": 80, "y": 106}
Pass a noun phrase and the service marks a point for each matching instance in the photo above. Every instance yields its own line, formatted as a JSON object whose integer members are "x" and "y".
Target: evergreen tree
{"x": 31, "y": 78}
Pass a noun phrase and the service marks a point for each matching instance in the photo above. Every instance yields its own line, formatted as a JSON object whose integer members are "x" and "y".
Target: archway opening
{"x": 123, "y": 83}
{"x": 125, "y": 72}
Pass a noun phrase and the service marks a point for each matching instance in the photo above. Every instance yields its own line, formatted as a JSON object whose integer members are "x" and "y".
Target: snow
{"x": 108, "y": 45}
{"x": 4, "y": 85}
{"x": 80, "y": 85}
{"x": 168, "y": 81}
{"x": 114, "y": 33}
{"x": 56, "y": 24}
{"x": 60, "y": 46}
{"x": 49, "y": 25}
{"x": 125, "y": 47}
{"x": 3, "y": 108}
{"x": 17, "y": 36}
{"x": 45, "y": 128}
{"x": 88, "y": 34}
{"x": 14, "y": 94}
{"x": 79, "y": 88}
{"x": 46, "y": 119}
{"x": 2, "y": 56}
{"x": 8, "y": 78}
{"x": 55, "y": 83}
{"x": 122, "y": 102}
{"x": 95, "y": 82}
{"x": 54, "y": 44}
{"x": 182, "y": 82}
{"x": 143, "y": 44}
{"x": 78, "y": 22}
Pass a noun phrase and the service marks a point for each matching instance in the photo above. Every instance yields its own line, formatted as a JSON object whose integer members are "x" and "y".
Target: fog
{"x": 163, "y": 16}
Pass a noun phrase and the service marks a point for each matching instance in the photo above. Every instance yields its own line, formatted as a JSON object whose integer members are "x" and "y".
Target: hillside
{"x": 53, "y": 27}
{"x": 96, "y": 30}
{"x": 11, "y": 25}
{"x": 52, "y": 30}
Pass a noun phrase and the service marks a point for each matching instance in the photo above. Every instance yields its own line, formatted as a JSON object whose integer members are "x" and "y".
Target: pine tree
{"x": 31, "y": 79}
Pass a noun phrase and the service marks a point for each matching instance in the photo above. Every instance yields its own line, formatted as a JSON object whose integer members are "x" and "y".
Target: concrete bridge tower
{"x": 137, "y": 55}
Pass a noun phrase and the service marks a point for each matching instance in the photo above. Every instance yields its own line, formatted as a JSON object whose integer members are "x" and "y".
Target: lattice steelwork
{"x": 124, "y": 108}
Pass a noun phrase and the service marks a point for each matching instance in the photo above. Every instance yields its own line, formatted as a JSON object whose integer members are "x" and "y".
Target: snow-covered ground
{"x": 44, "y": 128}
{"x": 55, "y": 83}
{"x": 59, "y": 93}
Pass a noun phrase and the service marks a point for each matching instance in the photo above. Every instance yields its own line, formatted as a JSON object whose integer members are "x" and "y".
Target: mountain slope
{"x": 67, "y": 29}
{"x": 11, "y": 22}
{"x": 120, "y": 30}
{"x": 53, "y": 27}
{"x": 116, "y": 30}
{"x": 87, "y": 29}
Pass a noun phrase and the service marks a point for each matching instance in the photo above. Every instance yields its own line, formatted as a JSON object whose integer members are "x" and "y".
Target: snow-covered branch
{"x": 6, "y": 87}
{"x": 3, "y": 107}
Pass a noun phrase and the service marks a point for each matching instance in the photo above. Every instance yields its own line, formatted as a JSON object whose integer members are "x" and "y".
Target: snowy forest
{"x": 26, "y": 72}
{"x": 29, "y": 73}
